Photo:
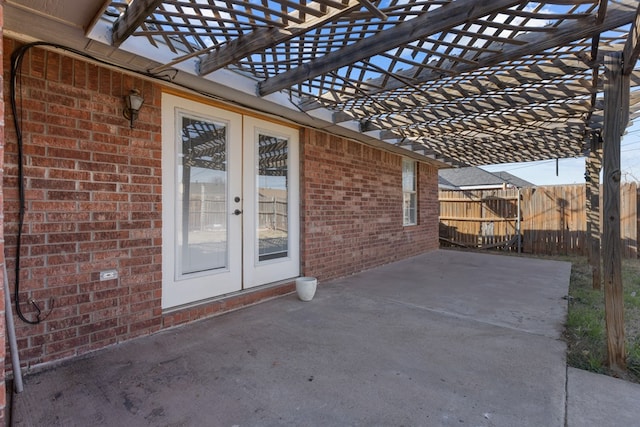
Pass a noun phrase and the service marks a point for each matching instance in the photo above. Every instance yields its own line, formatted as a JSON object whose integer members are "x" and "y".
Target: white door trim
{"x": 258, "y": 272}
{"x": 180, "y": 289}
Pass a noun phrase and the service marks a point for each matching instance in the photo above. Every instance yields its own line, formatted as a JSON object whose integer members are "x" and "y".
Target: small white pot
{"x": 306, "y": 287}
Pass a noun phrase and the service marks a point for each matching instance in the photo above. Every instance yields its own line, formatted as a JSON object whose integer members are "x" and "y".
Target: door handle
{"x": 237, "y": 212}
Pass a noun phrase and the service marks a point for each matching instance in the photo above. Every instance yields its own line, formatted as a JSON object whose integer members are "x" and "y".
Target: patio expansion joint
{"x": 473, "y": 319}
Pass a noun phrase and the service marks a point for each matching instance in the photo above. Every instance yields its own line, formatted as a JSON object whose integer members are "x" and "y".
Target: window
{"x": 202, "y": 235}
{"x": 273, "y": 196}
{"x": 409, "y": 204}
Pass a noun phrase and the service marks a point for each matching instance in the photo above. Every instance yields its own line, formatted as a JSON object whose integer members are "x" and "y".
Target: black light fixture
{"x": 133, "y": 103}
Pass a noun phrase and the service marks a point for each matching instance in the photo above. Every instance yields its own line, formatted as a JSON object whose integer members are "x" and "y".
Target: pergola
{"x": 467, "y": 82}
{"x": 460, "y": 82}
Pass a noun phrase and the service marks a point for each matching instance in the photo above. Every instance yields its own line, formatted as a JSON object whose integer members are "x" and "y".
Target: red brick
{"x": 70, "y": 174}
{"x": 95, "y": 203}
{"x": 68, "y": 195}
{"x": 79, "y": 155}
{"x": 103, "y": 187}
{"x": 72, "y": 217}
{"x": 66, "y": 348}
{"x": 334, "y": 209}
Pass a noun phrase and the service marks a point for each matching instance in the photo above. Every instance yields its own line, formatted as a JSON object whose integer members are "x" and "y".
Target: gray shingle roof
{"x": 473, "y": 176}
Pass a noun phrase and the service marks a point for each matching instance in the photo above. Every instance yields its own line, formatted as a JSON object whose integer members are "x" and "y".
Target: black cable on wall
{"x": 15, "y": 85}
{"x": 16, "y": 106}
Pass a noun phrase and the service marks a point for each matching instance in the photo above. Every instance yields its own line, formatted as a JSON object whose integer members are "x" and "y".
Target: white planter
{"x": 306, "y": 287}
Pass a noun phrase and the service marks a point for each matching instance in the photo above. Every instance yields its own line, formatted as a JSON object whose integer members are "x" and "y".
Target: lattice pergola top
{"x": 466, "y": 81}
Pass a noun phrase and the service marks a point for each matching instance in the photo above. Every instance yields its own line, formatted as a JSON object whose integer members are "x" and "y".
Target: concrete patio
{"x": 443, "y": 339}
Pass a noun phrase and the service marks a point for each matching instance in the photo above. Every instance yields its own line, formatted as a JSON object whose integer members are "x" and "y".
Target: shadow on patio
{"x": 444, "y": 338}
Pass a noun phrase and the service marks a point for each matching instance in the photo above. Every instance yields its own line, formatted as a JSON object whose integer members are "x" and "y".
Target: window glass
{"x": 409, "y": 204}
{"x": 202, "y": 174}
{"x": 273, "y": 197}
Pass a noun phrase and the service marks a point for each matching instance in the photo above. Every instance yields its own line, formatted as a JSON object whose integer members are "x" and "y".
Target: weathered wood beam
{"x": 570, "y": 125}
{"x": 525, "y": 99}
{"x": 442, "y": 19}
{"x": 593, "y": 168}
{"x": 611, "y": 244}
{"x": 602, "y": 11}
{"x": 475, "y": 153}
{"x": 374, "y": 10}
{"x": 482, "y": 85}
{"x": 516, "y": 147}
{"x": 632, "y": 46}
{"x": 469, "y": 99}
{"x": 432, "y": 154}
{"x": 479, "y": 86}
{"x": 131, "y": 19}
{"x": 618, "y": 14}
{"x": 263, "y": 38}
{"x": 534, "y": 136}
{"x": 432, "y": 123}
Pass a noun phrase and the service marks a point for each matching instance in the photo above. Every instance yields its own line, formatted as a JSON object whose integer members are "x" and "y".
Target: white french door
{"x": 230, "y": 202}
{"x": 271, "y": 217}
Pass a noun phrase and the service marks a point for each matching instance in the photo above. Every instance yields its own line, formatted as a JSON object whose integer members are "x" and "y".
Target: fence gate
{"x": 480, "y": 218}
{"x": 553, "y": 219}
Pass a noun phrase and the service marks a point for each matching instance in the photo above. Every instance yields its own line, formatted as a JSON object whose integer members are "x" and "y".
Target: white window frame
{"x": 409, "y": 192}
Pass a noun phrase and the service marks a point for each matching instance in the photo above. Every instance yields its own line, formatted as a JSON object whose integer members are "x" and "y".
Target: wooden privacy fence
{"x": 273, "y": 213}
{"x": 552, "y": 220}
{"x": 206, "y": 214}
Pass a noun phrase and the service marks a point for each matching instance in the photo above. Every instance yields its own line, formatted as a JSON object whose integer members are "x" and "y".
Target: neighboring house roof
{"x": 513, "y": 180}
{"x": 473, "y": 177}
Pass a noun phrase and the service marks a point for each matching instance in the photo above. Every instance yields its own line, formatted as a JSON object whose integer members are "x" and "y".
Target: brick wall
{"x": 352, "y": 207}
{"x": 93, "y": 202}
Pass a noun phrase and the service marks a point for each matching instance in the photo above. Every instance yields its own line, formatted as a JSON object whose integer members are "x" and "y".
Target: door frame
{"x": 255, "y": 272}
{"x": 244, "y": 270}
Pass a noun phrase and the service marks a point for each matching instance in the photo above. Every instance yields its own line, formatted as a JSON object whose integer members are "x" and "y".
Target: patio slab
{"x": 598, "y": 400}
{"x": 446, "y": 338}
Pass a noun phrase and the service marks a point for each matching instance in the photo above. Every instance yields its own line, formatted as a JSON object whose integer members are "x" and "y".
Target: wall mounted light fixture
{"x": 133, "y": 103}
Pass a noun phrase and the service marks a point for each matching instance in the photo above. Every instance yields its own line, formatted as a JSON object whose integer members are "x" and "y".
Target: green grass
{"x": 585, "y": 329}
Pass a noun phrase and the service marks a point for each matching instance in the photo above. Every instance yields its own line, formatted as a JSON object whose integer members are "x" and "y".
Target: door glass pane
{"x": 273, "y": 198}
{"x": 202, "y": 172}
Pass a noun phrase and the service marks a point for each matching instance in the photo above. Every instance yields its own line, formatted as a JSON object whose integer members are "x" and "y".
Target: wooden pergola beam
{"x": 467, "y": 90}
{"x": 570, "y": 125}
{"x": 264, "y": 38}
{"x": 542, "y": 104}
{"x": 611, "y": 244}
{"x": 475, "y": 153}
{"x": 429, "y": 123}
{"x": 631, "y": 50}
{"x": 132, "y": 18}
{"x": 470, "y": 99}
{"x": 508, "y": 148}
{"x": 618, "y": 14}
{"x": 593, "y": 167}
{"x": 442, "y": 19}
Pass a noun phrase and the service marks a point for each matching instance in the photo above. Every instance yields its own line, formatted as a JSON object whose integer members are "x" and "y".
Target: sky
{"x": 571, "y": 171}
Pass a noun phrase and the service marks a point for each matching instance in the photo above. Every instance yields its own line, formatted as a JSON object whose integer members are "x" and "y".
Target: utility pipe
{"x": 11, "y": 333}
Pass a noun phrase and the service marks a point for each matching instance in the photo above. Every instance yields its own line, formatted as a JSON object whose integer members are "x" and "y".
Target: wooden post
{"x": 594, "y": 165}
{"x": 611, "y": 244}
